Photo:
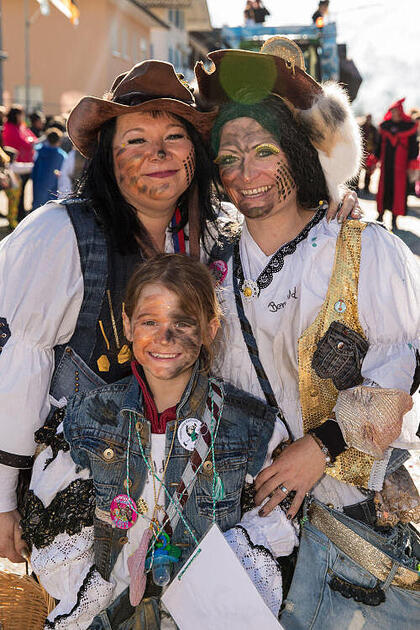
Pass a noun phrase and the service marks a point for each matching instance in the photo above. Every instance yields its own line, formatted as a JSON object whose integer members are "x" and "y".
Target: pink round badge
{"x": 123, "y": 511}
{"x": 219, "y": 269}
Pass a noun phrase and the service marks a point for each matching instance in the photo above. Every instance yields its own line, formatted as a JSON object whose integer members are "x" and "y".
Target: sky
{"x": 382, "y": 38}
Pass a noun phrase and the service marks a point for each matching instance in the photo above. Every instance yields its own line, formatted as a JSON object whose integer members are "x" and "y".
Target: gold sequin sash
{"x": 318, "y": 396}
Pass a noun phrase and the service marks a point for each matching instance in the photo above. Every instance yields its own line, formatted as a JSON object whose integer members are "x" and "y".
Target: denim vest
{"x": 96, "y": 427}
{"x": 71, "y": 373}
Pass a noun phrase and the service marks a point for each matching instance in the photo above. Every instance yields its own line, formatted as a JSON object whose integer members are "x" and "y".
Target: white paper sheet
{"x": 212, "y": 590}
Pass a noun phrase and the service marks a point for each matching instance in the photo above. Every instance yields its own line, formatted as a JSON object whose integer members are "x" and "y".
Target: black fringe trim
{"x": 277, "y": 260}
{"x": 368, "y": 596}
{"x": 70, "y": 511}
{"x": 82, "y": 589}
{"x": 47, "y": 435}
{"x": 260, "y": 548}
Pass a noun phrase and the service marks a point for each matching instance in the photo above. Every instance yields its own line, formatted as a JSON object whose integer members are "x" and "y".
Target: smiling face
{"x": 154, "y": 160}
{"x": 166, "y": 340}
{"x": 253, "y": 169}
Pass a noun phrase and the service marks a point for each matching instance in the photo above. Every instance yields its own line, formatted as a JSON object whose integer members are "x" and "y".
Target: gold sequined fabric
{"x": 398, "y": 501}
{"x": 360, "y": 550}
{"x": 371, "y": 418}
{"x": 318, "y": 396}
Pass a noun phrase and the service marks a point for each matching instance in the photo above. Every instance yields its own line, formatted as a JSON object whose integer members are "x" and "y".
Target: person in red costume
{"x": 18, "y": 136}
{"x": 396, "y": 147}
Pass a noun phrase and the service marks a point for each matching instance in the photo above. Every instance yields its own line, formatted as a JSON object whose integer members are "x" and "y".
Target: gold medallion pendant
{"x": 142, "y": 506}
{"x": 103, "y": 363}
{"x": 124, "y": 354}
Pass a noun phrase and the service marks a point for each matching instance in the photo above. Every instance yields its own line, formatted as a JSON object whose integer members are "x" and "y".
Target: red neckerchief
{"x": 157, "y": 421}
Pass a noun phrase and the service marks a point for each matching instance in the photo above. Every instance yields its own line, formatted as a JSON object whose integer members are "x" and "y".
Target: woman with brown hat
{"x": 64, "y": 271}
{"x": 317, "y": 328}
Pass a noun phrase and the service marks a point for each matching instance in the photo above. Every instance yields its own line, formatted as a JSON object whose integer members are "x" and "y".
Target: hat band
{"x": 136, "y": 98}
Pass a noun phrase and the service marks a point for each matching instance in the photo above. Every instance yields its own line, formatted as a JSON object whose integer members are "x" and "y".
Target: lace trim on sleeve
{"x": 260, "y": 566}
{"x": 93, "y": 596}
{"x": 48, "y": 435}
{"x": 70, "y": 511}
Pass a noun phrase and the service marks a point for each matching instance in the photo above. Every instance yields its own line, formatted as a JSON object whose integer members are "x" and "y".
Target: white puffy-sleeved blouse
{"x": 389, "y": 313}
{"x": 41, "y": 293}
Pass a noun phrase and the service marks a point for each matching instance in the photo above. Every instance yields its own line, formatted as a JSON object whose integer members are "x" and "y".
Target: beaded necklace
{"x": 180, "y": 494}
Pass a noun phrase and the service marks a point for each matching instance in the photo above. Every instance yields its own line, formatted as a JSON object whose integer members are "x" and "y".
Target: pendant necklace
{"x": 124, "y": 352}
{"x": 250, "y": 289}
{"x": 155, "y": 552}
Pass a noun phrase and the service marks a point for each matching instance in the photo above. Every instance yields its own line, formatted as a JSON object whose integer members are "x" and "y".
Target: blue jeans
{"x": 312, "y": 604}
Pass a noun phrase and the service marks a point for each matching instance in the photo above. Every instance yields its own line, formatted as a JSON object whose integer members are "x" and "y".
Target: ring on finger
{"x": 283, "y": 489}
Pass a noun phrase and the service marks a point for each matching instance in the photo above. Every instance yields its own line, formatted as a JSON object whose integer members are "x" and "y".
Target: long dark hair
{"x": 119, "y": 218}
{"x": 276, "y": 117}
{"x": 13, "y": 113}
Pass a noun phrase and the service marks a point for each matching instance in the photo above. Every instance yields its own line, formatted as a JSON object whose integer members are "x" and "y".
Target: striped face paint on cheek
{"x": 284, "y": 180}
{"x": 189, "y": 166}
{"x": 129, "y": 169}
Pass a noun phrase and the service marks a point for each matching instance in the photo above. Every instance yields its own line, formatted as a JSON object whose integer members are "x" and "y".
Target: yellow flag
{"x": 69, "y": 9}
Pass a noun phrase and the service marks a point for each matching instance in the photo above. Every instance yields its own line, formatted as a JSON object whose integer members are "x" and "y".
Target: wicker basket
{"x": 24, "y": 604}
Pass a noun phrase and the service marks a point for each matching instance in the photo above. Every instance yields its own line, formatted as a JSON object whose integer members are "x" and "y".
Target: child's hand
{"x": 298, "y": 467}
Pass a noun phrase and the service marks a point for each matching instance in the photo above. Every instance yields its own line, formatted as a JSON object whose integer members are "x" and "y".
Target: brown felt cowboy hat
{"x": 323, "y": 110}
{"x": 149, "y": 85}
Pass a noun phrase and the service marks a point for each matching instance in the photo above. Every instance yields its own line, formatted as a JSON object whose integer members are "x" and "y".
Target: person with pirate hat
{"x": 317, "y": 328}
{"x": 147, "y": 189}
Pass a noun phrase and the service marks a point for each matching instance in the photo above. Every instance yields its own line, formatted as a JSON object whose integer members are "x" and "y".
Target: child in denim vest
{"x": 155, "y": 459}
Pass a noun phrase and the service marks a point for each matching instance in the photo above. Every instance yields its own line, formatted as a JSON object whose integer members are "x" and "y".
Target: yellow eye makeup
{"x": 268, "y": 149}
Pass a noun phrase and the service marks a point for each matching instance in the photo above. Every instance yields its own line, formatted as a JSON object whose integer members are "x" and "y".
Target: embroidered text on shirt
{"x": 273, "y": 307}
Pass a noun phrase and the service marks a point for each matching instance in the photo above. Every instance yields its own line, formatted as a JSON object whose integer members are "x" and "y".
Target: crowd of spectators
{"x": 37, "y": 149}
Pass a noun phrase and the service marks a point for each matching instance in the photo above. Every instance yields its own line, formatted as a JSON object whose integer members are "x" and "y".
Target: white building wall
{"x": 171, "y": 45}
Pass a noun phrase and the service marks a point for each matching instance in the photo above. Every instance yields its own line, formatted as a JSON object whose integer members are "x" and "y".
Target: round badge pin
{"x": 340, "y": 306}
{"x": 219, "y": 269}
{"x": 188, "y": 432}
{"x": 123, "y": 511}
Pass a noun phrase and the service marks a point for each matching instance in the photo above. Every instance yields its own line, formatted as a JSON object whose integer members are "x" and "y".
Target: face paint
{"x": 285, "y": 181}
{"x": 254, "y": 169}
{"x": 189, "y": 166}
{"x": 149, "y": 160}
{"x": 166, "y": 341}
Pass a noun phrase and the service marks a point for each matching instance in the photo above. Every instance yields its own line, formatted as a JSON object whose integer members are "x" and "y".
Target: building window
{"x": 35, "y": 98}
{"x": 124, "y": 43}
{"x": 180, "y": 19}
{"x": 171, "y": 16}
{"x": 170, "y": 54}
{"x": 135, "y": 50}
{"x": 115, "y": 49}
{"x": 143, "y": 48}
